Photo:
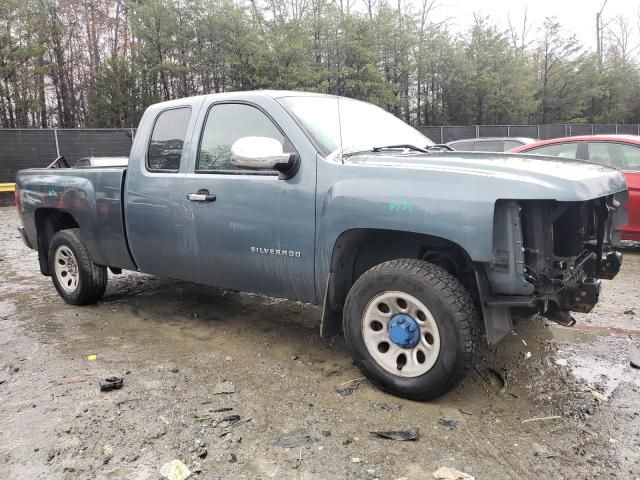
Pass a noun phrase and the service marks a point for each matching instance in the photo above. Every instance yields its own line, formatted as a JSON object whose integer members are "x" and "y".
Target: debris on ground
{"x": 347, "y": 388}
{"x": 175, "y": 470}
{"x": 298, "y": 461}
{"x": 107, "y": 451}
{"x": 542, "y": 419}
{"x": 111, "y": 383}
{"x": 598, "y": 396}
{"x": 221, "y": 409}
{"x": 65, "y": 382}
{"x": 386, "y": 407}
{"x": 402, "y": 435}
{"x": 229, "y": 419}
{"x": 635, "y": 358}
{"x": 356, "y": 460}
{"x": 92, "y": 358}
{"x": 493, "y": 378}
{"x": 542, "y": 451}
{"x": 448, "y": 424}
{"x": 223, "y": 388}
{"x": 630, "y": 311}
{"x": 447, "y": 473}
{"x": 295, "y": 440}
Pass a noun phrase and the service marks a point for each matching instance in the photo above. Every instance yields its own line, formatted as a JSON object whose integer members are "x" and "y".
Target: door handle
{"x": 201, "y": 195}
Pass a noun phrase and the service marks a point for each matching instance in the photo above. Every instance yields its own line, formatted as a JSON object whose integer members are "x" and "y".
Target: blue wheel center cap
{"x": 404, "y": 330}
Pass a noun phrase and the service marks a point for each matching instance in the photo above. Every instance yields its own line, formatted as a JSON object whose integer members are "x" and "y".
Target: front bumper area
{"x": 549, "y": 258}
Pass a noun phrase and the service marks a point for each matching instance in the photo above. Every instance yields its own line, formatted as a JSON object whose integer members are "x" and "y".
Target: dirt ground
{"x": 176, "y": 344}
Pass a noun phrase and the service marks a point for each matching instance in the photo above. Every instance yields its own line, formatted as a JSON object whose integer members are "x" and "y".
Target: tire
{"x": 77, "y": 279}
{"x": 436, "y": 303}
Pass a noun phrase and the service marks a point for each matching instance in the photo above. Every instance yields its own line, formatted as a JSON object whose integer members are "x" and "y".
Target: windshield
{"x": 363, "y": 126}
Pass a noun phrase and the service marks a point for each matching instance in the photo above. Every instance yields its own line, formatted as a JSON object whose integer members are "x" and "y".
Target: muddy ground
{"x": 175, "y": 342}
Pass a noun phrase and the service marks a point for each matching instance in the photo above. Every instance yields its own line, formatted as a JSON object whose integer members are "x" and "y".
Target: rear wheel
{"x": 77, "y": 279}
{"x": 412, "y": 328}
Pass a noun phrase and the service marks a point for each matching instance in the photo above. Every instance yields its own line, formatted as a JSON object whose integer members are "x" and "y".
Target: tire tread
{"x": 455, "y": 294}
{"x": 94, "y": 283}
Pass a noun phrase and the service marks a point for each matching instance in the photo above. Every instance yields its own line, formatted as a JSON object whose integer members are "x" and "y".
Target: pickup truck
{"x": 414, "y": 252}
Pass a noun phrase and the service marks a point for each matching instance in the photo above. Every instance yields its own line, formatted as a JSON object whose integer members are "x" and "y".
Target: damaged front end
{"x": 549, "y": 258}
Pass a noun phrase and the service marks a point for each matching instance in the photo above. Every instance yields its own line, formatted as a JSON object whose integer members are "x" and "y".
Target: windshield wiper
{"x": 404, "y": 145}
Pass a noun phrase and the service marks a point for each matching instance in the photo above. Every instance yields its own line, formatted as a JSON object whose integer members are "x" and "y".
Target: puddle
{"x": 597, "y": 360}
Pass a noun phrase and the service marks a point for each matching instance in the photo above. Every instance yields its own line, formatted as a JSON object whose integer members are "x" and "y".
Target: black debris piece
{"x": 448, "y": 424}
{"x": 111, "y": 383}
{"x": 401, "y": 435}
{"x": 348, "y": 389}
{"x": 635, "y": 358}
{"x": 231, "y": 419}
{"x": 386, "y": 407}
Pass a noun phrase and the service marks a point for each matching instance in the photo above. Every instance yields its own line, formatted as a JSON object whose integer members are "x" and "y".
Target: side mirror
{"x": 264, "y": 153}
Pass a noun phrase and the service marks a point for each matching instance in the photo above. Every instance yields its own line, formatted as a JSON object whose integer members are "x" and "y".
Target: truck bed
{"x": 92, "y": 196}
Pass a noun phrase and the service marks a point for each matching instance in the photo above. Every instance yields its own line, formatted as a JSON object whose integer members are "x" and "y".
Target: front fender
{"x": 400, "y": 205}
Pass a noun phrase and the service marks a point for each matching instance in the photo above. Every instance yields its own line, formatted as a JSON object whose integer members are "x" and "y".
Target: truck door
{"x": 153, "y": 192}
{"x": 245, "y": 229}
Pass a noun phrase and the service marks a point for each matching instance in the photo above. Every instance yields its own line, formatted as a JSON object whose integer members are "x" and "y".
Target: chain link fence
{"x": 541, "y": 132}
{"x": 27, "y": 148}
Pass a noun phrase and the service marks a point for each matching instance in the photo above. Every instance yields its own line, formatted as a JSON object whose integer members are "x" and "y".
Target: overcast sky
{"x": 578, "y": 16}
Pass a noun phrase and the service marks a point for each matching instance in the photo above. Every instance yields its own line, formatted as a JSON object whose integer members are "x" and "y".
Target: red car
{"x": 618, "y": 151}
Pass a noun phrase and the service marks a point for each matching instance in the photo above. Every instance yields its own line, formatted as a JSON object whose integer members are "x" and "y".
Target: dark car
{"x": 489, "y": 144}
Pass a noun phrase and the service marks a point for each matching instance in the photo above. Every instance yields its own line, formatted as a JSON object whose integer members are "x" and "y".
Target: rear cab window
{"x": 167, "y": 139}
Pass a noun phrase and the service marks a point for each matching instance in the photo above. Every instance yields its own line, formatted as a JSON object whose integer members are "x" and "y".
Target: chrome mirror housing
{"x": 258, "y": 152}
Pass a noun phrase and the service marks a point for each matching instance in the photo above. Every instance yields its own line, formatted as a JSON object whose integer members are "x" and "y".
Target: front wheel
{"x": 412, "y": 328}
{"x": 77, "y": 279}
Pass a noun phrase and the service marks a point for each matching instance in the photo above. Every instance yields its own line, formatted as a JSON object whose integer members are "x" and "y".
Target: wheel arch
{"x": 48, "y": 222}
{"x": 357, "y": 250}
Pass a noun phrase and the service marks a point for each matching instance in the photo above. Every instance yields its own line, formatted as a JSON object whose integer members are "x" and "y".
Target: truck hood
{"x": 517, "y": 176}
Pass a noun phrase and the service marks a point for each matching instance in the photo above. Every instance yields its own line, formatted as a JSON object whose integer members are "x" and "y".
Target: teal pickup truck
{"x": 413, "y": 251}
